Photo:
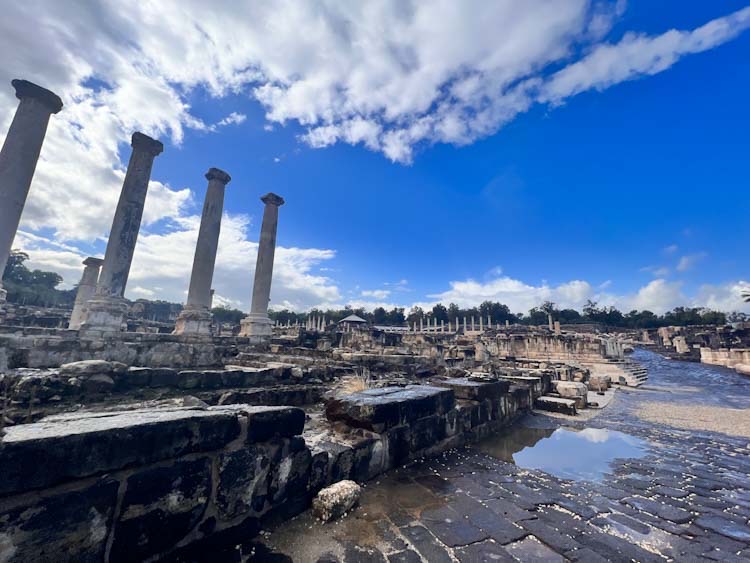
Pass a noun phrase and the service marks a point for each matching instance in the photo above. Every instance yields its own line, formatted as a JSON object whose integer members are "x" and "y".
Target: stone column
{"x": 558, "y": 330}
{"x": 551, "y": 324}
{"x": 257, "y": 322}
{"x": 107, "y": 309}
{"x": 196, "y": 318}
{"x": 18, "y": 158}
{"x": 86, "y": 289}
{"x": 481, "y": 323}
{"x": 464, "y": 325}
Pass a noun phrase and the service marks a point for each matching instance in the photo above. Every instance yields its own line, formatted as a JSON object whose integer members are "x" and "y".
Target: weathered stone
{"x": 384, "y": 408}
{"x": 336, "y": 500}
{"x": 46, "y": 453}
{"x": 725, "y": 527}
{"x": 92, "y": 367}
{"x": 98, "y": 383}
{"x": 599, "y": 382}
{"x": 573, "y": 390}
{"x": 243, "y": 483}
{"x": 68, "y": 526}
{"x": 465, "y": 388}
{"x": 160, "y": 506}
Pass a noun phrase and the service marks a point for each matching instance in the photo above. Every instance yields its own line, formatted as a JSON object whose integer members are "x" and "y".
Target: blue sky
{"x": 632, "y": 192}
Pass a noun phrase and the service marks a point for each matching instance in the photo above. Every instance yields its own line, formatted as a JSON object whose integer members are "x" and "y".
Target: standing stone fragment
{"x": 334, "y": 501}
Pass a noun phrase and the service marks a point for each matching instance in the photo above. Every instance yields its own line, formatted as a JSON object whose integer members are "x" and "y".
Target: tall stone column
{"x": 108, "y": 307}
{"x": 86, "y": 290}
{"x": 18, "y": 158}
{"x": 195, "y": 318}
{"x": 257, "y": 322}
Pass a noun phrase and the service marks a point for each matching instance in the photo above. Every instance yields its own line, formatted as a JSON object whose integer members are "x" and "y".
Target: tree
{"x": 440, "y": 313}
{"x": 379, "y": 316}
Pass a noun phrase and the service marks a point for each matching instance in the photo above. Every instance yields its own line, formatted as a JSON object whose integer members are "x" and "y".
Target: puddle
{"x": 570, "y": 454}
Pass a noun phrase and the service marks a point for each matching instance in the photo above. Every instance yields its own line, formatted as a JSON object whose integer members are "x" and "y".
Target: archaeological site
{"x": 134, "y": 427}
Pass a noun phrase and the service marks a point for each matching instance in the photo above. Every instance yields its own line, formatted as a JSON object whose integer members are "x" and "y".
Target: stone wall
{"x": 36, "y": 348}
{"x": 180, "y": 484}
{"x": 726, "y": 357}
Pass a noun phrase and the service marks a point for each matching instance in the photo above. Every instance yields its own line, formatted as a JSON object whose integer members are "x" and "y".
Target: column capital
{"x": 91, "y": 261}
{"x": 26, "y": 89}
{"x": 142, "y": 142}
{"x": 217, "y": 174}
{"x": 272, "y": 199}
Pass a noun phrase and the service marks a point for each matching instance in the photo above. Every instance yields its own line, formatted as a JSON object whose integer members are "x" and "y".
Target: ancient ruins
{"x": 130, "y": 446}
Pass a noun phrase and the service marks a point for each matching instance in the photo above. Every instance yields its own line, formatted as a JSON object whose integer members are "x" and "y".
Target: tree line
{"x": 39, "y": 288}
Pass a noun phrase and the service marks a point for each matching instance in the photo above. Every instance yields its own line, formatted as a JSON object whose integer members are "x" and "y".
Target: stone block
{"x": 384, "y": 408}
{"x": 426, "y": 432}
{"x": 243, "y": 480}
{"x": 464, "y": 388}
{"x": 69, "y": 526}
{"x": 159, "y": 507}
{"x": 92, "y": 367}
{"x": 47, "y": 453}
{"x": 599, "y": 382}
{"x": 573, "y": 390}
{"x": 336, "y": 500}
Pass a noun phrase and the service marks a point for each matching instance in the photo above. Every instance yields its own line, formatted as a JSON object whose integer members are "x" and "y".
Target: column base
{"x": 194, "y": 321}
{"x": 256, "y": 324}
{"x": 105, "y": 314}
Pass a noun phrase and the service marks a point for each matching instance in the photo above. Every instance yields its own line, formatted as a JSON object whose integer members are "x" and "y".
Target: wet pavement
{"x": 611, "y": 488}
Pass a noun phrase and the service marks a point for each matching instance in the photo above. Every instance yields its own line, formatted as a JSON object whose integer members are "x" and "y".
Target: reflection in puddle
{"x": 566, "y": 453}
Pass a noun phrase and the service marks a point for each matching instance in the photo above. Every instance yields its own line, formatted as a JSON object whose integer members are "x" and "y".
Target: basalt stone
{"x": 160, "y": 506}
{"x": 46, "y": 453}
{"x": 163, "y": 377}
{"x": 290, "y": 477}
{"x": 464, "y": 388}
{"x": 92, "y": 367}
{"x": 318, "y": 470}
{"x": 98, "y": 384}
{"x": 426, "y": 432}
{"x": 243, "y": 483}
{"x": 384, "y": 408}
{"x": 227, "y": 545}
{"x": 296, "y": 395}
{"x": 69, "y": 526}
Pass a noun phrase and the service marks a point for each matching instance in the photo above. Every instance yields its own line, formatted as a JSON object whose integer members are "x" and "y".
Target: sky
{"x": 430, "y": 151}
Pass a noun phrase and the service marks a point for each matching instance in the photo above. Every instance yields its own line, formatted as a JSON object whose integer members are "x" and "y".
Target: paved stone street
{"x": 686, "y": 499}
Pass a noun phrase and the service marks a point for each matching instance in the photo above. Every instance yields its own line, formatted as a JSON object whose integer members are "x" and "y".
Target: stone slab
{"x": 43, "y": 454}
{"x": 464, "y": 388}
{"x": 266, "y": 422}
{"x": 388, "y": 407}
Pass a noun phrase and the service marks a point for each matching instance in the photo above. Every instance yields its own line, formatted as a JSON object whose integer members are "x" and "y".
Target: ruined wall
{"x": 42, "y": 349}
{"x": 182, "y": 484}
{"x": 551, "y": 347}
{"x": 725, "y": 357}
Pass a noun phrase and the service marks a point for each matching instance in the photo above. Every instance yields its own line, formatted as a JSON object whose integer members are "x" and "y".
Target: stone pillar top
{"x": 272, "y": 199}
{"x": 217, "y": 174}
{"x": 26, "y": 89}
{"x": 142, "y": 142}
{"x": 91, "y": 261}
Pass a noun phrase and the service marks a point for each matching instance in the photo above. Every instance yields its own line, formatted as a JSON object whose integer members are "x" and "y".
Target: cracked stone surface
{"x": 686, "y": 499}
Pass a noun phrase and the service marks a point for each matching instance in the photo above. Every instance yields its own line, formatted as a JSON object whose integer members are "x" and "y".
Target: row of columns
{"x": 473, "y": 326}
{"x": 100, "y": 302}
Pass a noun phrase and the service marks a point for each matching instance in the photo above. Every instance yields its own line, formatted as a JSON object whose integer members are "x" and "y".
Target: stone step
{"x": 556, "y": 404}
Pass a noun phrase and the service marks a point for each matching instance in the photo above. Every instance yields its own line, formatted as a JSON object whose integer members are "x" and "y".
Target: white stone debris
{"x": 336, "y": 500}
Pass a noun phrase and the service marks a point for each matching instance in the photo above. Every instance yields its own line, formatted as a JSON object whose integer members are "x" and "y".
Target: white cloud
{"x": 688, "y": 262}
{"x": 376, "y": 293}
{"x": 671, "y": 249}
{"x": 656, "y": 271}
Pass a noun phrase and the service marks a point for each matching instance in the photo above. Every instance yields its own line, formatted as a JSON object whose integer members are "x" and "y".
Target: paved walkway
{"x": 687, "y": 499}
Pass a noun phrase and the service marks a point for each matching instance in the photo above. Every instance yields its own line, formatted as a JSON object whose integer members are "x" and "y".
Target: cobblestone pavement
{"x": 687, "y": 499}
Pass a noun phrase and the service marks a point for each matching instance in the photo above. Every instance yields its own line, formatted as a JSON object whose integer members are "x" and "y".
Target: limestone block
{"x": 46, "y": 453}
{"x": 71, "y": 525}
{"x": 573, "y": 390}
{"x": 159, "y": 507}
{"x": 336, "y": 500}
{"x": 599, "y": 382}
{"x": 742, "y": 369}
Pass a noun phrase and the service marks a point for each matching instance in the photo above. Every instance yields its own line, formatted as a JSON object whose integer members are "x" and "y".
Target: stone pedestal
{"x": 195, "y": 318}
{"x": 18, "y": 159}
{"x": 107, "y": 309}
{"x": 257, "y": 322}
{"x": 86, "y": 290}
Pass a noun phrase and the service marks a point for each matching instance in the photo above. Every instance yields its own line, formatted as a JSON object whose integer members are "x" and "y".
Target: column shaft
{"x": 18, "y": 159}
{"x": 86, "y": 290}
{"x": 195, "y": 318}
{"x": 257, "y": 322}
{"x": 107, "y": 309}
